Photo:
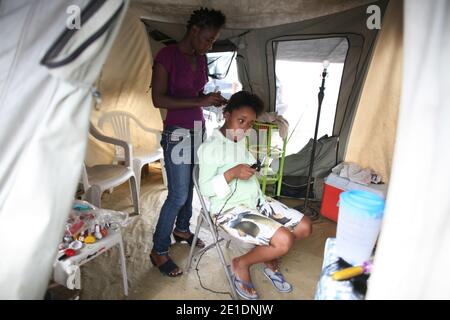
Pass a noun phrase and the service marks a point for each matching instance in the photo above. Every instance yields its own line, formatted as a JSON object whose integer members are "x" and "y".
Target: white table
{"x": 67, "y": 271}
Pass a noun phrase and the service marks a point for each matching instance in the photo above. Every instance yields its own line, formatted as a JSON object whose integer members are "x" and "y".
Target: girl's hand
{"x": 241, "y": 171}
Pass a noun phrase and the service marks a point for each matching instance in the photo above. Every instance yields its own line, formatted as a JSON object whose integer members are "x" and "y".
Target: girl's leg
{"x": 272, "y": 265}
{"x": 279, "y": 245}
{"x": 303, "y": 229}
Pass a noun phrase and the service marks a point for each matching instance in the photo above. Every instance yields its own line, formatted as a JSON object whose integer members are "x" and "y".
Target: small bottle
{"x": 97, "y": 233}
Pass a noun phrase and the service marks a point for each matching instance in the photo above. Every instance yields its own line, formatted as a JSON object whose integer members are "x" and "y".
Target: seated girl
{"x": 238, "y": 206}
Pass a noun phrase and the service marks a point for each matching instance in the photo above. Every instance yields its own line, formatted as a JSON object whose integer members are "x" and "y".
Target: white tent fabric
{"x": 44, "y": 123}
{"x": 412, "y": 259}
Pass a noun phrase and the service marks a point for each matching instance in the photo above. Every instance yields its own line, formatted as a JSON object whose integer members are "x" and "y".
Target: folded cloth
{"x": 274, "y": 117}
{"x": 355, "y": 173}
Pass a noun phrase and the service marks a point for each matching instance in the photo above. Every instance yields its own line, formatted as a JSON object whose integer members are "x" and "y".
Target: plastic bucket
{"x": 359, "y": 222}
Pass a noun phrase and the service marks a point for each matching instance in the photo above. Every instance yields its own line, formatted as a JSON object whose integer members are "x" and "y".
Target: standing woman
{"x": 178, "y": 80}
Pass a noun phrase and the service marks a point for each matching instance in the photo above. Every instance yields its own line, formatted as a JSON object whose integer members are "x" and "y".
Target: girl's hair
{"x": 245, "y": 98}
{"x": 206, "y": 18}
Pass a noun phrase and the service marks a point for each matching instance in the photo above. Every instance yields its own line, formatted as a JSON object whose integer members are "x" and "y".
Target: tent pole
{"x": 313, "y": 214}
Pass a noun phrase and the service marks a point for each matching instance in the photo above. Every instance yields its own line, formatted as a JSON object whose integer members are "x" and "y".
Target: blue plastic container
{"x": 359, "y": 223}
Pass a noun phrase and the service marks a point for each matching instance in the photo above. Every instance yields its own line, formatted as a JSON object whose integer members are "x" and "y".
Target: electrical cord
{"x": 246, "y": 72}
{"x": 293, "y": 186}
{"x": 200, "y": 280}
{"x": 226, "y": 201}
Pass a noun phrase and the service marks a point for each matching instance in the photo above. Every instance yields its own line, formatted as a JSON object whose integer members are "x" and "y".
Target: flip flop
{"x": 278, "y": 280}
{"x": 244, "y": 294}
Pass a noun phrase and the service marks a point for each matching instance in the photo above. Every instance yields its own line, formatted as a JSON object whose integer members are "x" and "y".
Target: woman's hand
{"x": 213, "y": 99}
{"x": 241, "y": 171}
{"x": 162, "y": 98}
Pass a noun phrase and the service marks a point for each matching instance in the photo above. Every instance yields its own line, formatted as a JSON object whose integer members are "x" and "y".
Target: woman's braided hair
{"x": 206, "y": 18}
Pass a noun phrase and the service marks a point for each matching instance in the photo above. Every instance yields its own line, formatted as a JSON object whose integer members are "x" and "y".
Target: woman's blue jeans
{"x": 180, "y": 153}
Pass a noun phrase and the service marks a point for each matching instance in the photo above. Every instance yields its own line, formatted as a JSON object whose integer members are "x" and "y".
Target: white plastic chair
{"x": 120, "y": 122}
{"x": 99, "y": 178}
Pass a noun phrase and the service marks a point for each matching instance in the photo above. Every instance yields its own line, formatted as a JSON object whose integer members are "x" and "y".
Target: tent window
{"x": 223, "y": 75}
{"x": 222, "y": 69}
{"x": 298, "y": 69}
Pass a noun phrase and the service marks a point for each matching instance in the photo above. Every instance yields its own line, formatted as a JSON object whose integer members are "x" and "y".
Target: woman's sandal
{"x": 199, "y": 243}
{"x": 167, "y": 268}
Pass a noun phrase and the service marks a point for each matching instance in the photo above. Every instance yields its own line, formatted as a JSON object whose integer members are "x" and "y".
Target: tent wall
{"x": 373, "y": 132}
{"x": 256, "y": 57}
{"x": 412, "y": 259}
{"x": 45, "y": 101}
{"x": 124, "y": 85}
{"x": 243, "y": 14}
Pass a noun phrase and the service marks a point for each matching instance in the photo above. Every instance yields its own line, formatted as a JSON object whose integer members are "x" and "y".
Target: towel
{"x": 355, "y": 173}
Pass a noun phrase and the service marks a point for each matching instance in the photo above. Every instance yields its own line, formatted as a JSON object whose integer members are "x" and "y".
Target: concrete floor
{"x": 101, "y": 278}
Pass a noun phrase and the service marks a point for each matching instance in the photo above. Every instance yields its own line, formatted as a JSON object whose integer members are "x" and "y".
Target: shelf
{"x": 264, "y": 146}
